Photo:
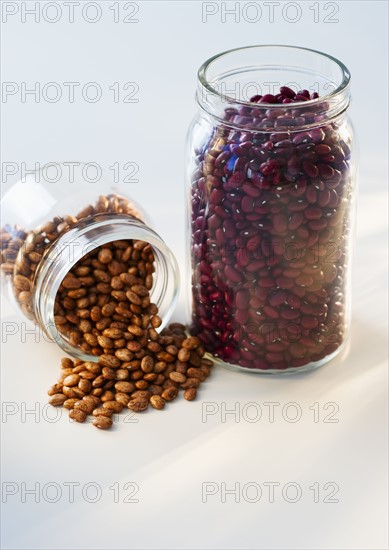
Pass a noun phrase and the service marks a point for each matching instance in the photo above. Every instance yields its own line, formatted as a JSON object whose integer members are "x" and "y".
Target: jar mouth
{"x": 232, "y": 68}
{"x": 206, "y": 66}
{"x": 85, "y": 237}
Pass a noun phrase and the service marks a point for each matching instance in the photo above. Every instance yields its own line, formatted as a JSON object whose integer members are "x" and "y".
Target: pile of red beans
{"x": 270, "y": 221}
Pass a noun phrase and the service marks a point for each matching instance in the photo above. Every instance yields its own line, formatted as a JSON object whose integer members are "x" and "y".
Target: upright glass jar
{"x": 272, "y": 179}
{"x": 53, "y": 220}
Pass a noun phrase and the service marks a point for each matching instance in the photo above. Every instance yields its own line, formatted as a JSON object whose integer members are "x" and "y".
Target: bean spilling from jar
{"x": 103, "y": 307}
{"x": 270, "y": 224}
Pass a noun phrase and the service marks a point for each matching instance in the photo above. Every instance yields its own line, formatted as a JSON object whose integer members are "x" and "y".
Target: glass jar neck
{"x": 227, "y": 81}
{"x": 84, "y": 237}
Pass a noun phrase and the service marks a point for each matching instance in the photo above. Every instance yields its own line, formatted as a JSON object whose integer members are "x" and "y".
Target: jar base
{"x": 292, "y": 370}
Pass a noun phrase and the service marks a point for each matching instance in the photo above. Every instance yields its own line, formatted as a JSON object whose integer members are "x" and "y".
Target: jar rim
{"x": 91, "y": 233}
{"x": 336, "y": 93}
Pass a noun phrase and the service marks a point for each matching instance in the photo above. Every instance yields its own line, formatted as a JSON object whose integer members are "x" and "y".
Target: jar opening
{"x": 232, "y": 77}
{"x": 88, "y": 235}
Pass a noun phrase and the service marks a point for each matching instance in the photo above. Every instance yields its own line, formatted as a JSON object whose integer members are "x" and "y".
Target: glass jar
{"x": 272, "y": 179}
{"x": 52, "y": 221}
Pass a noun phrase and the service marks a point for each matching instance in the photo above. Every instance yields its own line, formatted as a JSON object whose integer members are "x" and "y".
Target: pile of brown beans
{"x": 103, "y": 307}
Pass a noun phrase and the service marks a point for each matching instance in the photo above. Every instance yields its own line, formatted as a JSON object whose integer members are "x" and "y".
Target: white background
{"x": 171, "y": 454}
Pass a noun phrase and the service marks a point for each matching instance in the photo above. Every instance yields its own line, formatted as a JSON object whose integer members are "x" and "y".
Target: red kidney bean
{"x": 287, "y": 92}
{"x": 277, "y": 298}
{"x": 322, "y": 149}
{"x": 309, "y": 322}
{"x": 284, "y": 282}
{"x": 304, "y": 280}
{"x": 310, "y": 169}
{"x": 275, "y": 347}
{"x": 266, "y": 282}
{"x": 334, "y": 199}
{"x": 293, "y": 301}
{"x": 297, "y": 350}
{"x": 267, "y": 208}
{"x": 311, "y": 194}
{"x": 291, "y": 273}
{"x": 274, "y": 357}
{"x": 324, "y": 197}
{"x": 280, "y": 223}
{"x": 313, "y": 213}
{"x": 242, "y": 299}
{"x": 271, "y": 312}
{"x": 232, "y": 274}
{"x": 317, "y": 225}
{"x": 290, "y": 314}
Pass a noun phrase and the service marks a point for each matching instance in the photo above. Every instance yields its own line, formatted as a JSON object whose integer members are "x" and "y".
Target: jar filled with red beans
{"x": 272, "y": 184}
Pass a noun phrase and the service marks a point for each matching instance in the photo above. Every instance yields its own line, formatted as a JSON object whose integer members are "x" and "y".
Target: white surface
{"x": 171, "y": 454}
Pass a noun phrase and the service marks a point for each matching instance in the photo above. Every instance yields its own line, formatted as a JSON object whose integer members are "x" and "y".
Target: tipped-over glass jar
{"x": 271, "y": 181}
{"x": 53, "y": 221}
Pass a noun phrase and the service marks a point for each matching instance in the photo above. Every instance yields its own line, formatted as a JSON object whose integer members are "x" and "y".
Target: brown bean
{"x": 133, "y": 346}
{"x": 108, "y": 373}
{"x": 124, "y": 354}
{"x": 85, "y": 406}
{"x": 154, "y": 389}
{"x": 157, "y": 402}
{"x": 140, "y": 290}
{"x": 141, "y": 394}
{"x": 133, "y": 298}
{"x": 77, "y": 293}
{"x": 113, "y": 333}
{"x": 135, "y": 330}
{"x": 69, "y": 403}
{"x": 150, "y": 377}
{"x": 78, "y": 415}
{"x": 170, "y": 393}
{"x": 165, "y": 356}
{"x": 109, "y": 361}
{"x": 195, "y": 373}
{"x": 122, "y": 374}
{"x": 122, "y": 398}
{"x": 90, "y": 339}
{"x": 113, "y": 406}
{"x": 102, "y": 422}
{"x": 55, "y": 388}
{"x": 126, "y": 387}
{"x": 107, "y": 395}
{"x": 101, "y": 411}
{"x": 71, "y": 380}
{"x": 160, "y": 366}
{"x": 194, "y": 359}
{"x": 181, "y": 367}
{"x": 183, "y": 355}
{"x": 156, "y": 321}
{"x": 85, "y": 326}
{"x": 95, "y": 368}
{"x": 147, "y": 364}
{"x": 67, "y": 363}
{"x": 105, "y": 255}
{"x": 177, "y": 377}
{"x": 141, "y": 384}
{"x": 138, "y": 405}
{"x": 69, "y": 282}
{"x": 57, "y": 399}
{"x": 128, "y": 278}
{"x": 190, "y": 394}
{"x": 191, "y": 343}
{"x": 191, "y": 383}
{"x": 85, "y": 385}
